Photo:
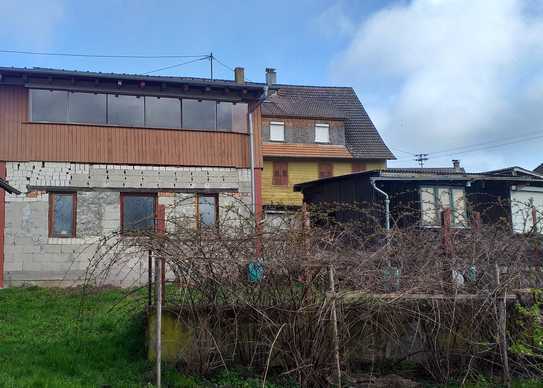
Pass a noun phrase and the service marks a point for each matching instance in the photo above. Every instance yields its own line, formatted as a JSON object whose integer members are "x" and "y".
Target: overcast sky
{"x": 454, "y": 79}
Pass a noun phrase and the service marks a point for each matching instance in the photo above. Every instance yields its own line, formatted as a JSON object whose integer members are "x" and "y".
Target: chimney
{"x": 456, "y": 165}
{"x": 271, "y": 76}
{"x": 239, "y": 75}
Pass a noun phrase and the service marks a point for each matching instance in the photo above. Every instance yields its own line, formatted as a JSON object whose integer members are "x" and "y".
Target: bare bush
{"x": 258, "y": 294}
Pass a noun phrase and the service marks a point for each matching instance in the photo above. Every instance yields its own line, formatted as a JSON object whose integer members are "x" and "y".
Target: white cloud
{"x": 29, "y": 24}
{"x": 455, "y": 72}
{"x": 333, "y": 21}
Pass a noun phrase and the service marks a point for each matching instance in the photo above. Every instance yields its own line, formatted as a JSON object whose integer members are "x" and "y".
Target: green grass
{"x": 46, "y": 342}
{"x": 43, "y": 343}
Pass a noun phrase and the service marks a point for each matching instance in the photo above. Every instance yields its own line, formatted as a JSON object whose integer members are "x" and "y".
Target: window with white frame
{"x": 322, "y": 133}
{"x": 277, "y": 131}
{"x": 435, "y": 199}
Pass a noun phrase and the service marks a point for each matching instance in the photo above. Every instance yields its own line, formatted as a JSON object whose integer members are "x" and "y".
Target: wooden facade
{"x": 22, "y": 140}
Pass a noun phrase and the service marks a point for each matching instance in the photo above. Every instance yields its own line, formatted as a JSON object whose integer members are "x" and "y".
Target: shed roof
{"x": 426, "y": 174}
{"x": 10, "y": 189}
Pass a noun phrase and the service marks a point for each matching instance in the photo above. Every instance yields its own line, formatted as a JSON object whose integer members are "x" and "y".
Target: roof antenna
{"x": 421, "y": 158}
{"x": 211, "y": 64}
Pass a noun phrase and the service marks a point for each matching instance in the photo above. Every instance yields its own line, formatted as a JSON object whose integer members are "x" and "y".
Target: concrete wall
{"x": 31, "y": 256}
{"x": 303, "y": 130}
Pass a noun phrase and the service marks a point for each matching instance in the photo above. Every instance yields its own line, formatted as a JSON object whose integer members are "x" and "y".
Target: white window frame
{"x": 320, "y": 136}
{"x": 277, "y": 131}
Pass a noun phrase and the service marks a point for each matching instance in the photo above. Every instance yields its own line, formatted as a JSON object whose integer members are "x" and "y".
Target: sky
{"x": 456, "y": 79}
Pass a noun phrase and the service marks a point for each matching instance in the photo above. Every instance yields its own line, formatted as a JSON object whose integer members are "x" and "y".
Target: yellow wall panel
{"x": 301, "y": 171}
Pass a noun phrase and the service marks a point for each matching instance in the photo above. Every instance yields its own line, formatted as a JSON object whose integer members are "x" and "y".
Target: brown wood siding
{"x": 21, "y": 140}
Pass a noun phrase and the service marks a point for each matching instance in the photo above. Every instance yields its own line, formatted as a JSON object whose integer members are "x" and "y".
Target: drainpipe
{"x": 387, "y": 204}
{"x": 253, "y": 182}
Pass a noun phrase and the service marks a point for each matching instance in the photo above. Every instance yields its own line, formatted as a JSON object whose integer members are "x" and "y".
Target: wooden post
{"x": 334, "y": 322}
{"x": 446, "y": 218}
{"x": 150, "y": 278}
{"x": 502, "y": 327}
{"x": 158, "y": 311}
{"x": 476, "y": 222}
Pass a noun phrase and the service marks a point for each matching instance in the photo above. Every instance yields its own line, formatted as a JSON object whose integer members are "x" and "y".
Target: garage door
{"x": 523, "y": 200}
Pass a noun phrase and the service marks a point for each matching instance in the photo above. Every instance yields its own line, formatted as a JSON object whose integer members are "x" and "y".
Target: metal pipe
{"x": 387, "y": 204}
{"x": 158, "y": 311}
{"x": 253, "y": 183}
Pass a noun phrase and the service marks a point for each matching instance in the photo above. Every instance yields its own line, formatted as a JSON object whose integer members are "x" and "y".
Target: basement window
{"x": 138, "y": 213}
{"x": 436, "y": 199}
{"x": 62, "y": 214}
{"x": 208, "y": 209}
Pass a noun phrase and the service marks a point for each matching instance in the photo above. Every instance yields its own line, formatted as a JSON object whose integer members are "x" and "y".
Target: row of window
{"x": 326, "y": 170}
{"x": 138, "y": 212}
{"x": 277, "y": 132}
{"x": 140, "y": 111}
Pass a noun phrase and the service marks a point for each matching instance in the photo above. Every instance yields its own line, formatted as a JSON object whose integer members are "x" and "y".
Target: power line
{"x": 483, "y": 146}
{"x": 97, "y": 55}
{"x": 177, "y": 65}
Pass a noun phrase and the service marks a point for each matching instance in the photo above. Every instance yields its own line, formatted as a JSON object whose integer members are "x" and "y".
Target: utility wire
{"x": 206, "y": 57}
{"x": 483, "y": 146}
{"x": 97, "y": 55}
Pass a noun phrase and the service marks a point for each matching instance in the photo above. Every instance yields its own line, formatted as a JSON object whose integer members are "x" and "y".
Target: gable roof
{"x": 539, "y": 169}
{"x": 361, "y": 136}
{"x": 287, "y": 106}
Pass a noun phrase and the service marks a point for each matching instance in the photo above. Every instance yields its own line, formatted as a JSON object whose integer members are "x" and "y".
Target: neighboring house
{"x": 312, "y": 132}
{"x": 539, "y": 169}
{"x": 418, "y": 195}
{"x": 93, "y": 153}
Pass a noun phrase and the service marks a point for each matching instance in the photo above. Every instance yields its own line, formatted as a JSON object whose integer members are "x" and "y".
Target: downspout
{"x": 253, "y": 182}
{"x": 387, "y": 204}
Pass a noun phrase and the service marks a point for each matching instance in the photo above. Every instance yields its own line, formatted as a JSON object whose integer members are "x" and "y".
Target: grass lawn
{"x": 45, "y": 343}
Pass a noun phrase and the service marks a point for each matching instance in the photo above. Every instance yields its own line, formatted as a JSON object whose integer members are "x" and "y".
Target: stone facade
{"x": 31, "y": 256}
{"x": 302, "y": 131}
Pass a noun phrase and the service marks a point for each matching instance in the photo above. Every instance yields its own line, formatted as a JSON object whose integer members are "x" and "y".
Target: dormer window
{"x": 277, "y": 131}
{"x": 322, "y": 133}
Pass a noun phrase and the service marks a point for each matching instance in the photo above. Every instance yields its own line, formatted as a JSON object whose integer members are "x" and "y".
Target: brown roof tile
{"x": 305, "y": 150}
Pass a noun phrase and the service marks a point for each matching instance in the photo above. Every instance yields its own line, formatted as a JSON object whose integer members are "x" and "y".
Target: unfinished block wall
{"x": 31, "y": 256}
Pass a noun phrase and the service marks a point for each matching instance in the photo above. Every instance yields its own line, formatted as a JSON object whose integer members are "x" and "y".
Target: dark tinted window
{"x": 49, "y": 105}
{"x": 62, "y": 213}
{"x": 138, "y": 213}
{"x": 240, "y": 114}
{"x": 125, "y": 110}
{"x": 87, "y": 108}
{"x": 224, "y": 115}
{"x": 199, "y": 114}
{"x": 162, "y": 112}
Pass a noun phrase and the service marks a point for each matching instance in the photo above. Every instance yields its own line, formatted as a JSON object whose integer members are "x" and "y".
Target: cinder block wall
{"x": 32, "y": 257}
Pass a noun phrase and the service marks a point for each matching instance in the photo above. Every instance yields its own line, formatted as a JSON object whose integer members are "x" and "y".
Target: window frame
{"x": 322, "y": 126}
{"x": 198, "y": 218}
{"x": 282, "y": 180}
{"x": 277, "y": 123}
{"x": 51, "y": 213}
{"x": 434, "y": 190}
{"x": 326, "y": 165}
{"x": 125, "y": 194}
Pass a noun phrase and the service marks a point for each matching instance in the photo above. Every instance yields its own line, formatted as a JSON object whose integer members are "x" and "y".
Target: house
{"x": 312, "y": 132}
{"x": 96, "y": 153}
{"x": 539, "y": 169}
{"x": 416, "y": 196}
